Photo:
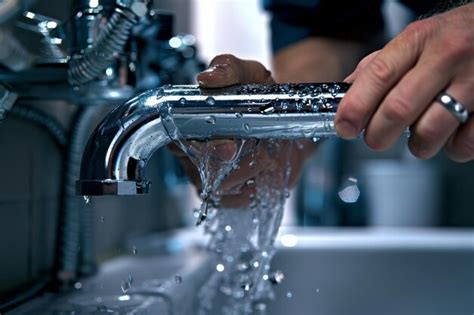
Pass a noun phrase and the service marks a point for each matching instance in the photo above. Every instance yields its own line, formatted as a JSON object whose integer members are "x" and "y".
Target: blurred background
{"x": 47, "y": 232}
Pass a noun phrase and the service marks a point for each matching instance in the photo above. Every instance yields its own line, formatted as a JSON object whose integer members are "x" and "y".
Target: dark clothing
{"x": 359, "y": 20}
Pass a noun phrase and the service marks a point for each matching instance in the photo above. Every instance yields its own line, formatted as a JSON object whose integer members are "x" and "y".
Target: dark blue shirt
{"x": 358, "y": 20}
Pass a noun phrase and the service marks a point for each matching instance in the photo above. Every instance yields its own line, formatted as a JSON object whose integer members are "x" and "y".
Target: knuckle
{"x": 366, "y": 60}
{"x": 224, "y": 59}
{"x": 418, "y": 28}
{"x": 381, "y": 70}
{"x": 397, "y": 110}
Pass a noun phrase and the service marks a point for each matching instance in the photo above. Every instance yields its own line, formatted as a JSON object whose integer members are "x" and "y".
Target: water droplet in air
{"x": 242, "y": 266}
{"x": 134, "y": 250}
{"x": 220, "y": 267}
{"x": 211, "y": 120}
{"x": 277, "y": 277}
{"x": 350, "y": 193}
{"x": 260, "y": 307}
{"x": 289, "y": 294}
{"x": 210, "y": 100}
{"x": 178, "y": 279}
{"x": 246, "y": 285}
{"x": 315, "y": 139}
{"x": 77, "y": 285}
{"x": 102, "y": 219}
{"x": 87, "y": 200}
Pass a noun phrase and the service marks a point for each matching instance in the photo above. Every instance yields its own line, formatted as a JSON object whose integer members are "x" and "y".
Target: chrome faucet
{"x": 115, "y": 158}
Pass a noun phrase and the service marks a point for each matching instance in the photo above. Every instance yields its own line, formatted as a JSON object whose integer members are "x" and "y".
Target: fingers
{"x": 405, "y": 102}
{"x": 376, "y": 79}
{"x": 461, "y": 147}
{"x": 226, "y": 70}
{"x": 437, "y": 125}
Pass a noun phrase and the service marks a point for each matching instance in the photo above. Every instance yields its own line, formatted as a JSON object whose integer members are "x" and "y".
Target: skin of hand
{"x": 395, "y": 87}
{"x": 227, "y": 70}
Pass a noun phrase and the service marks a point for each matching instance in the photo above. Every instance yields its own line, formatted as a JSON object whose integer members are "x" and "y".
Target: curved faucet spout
{"x": 115, "y": 158}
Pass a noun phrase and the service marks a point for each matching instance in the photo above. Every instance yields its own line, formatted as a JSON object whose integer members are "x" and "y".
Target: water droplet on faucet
{"x": 211, "y": 120}
{"x": 246, "y": 127}
{"x": 210, "y": 100}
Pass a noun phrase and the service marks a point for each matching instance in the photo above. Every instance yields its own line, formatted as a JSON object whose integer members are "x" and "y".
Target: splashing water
{"x": 242, "y": 240}
{"x": 242, "y": 237}
{"x": 350, "y": 192}
{"x": 126, "y": 284}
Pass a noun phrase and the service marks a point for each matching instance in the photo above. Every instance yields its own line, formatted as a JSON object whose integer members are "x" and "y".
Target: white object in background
{"x": 402, "y": 193}
{"x": 239, "y": 27}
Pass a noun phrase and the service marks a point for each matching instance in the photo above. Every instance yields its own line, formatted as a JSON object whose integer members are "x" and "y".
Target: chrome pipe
{"x": 116, "y": 156}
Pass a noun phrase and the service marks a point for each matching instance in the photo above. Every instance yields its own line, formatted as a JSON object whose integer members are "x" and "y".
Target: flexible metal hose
{"x": 109, "y": 43}
{"x": 76, "y": 232}
{"x": 41, "y": 119}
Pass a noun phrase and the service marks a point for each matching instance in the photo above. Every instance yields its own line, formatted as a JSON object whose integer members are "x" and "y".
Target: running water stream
{"x": 242, "y": 237}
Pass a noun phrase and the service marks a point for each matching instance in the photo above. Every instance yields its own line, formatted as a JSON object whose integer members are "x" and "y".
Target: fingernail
{"x": 346, "y": 129}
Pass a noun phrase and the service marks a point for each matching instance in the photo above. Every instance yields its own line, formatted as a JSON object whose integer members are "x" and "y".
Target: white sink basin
{"x": 327, "y": 272}
{"x": 409, "y": 272}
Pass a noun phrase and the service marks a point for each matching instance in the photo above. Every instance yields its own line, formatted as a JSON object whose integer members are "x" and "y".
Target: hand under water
{"x": 395, "y": 87}
{"x": 235, "y": 190}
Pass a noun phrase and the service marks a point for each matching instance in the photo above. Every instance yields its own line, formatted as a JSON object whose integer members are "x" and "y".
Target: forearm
{"x": 317, "y": 59}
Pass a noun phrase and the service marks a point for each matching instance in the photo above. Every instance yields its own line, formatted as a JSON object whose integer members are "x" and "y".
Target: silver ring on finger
{"x": 453, "y": 106}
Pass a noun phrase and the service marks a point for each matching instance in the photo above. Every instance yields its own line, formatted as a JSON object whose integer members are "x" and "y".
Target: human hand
{"x": 235, "y": 190}
{"x": 396, "y": 87}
